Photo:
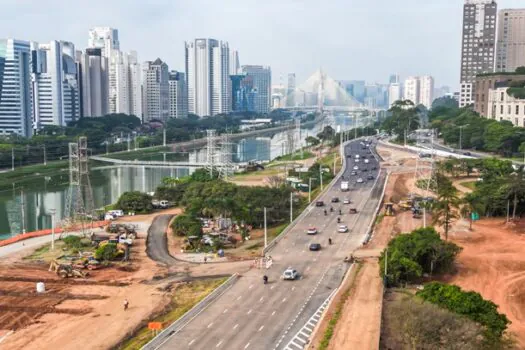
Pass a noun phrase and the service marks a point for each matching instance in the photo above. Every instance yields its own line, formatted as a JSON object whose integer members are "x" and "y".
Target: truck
{"x": 345, "y": 186}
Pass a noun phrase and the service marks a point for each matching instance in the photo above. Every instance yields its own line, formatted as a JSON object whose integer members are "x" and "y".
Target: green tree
{"x": 404, "y": 118}
{"x": 312, "y": 141}
{"x": 186, "y": 225}
{"x": 443, "y": 212}
{"x": 515, "y": 188}
{"x": 135, "y": 201}
{"x": 106, "y": 252}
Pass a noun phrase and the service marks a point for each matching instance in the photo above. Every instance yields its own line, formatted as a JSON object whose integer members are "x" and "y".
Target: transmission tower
{"x": 225, "y": 157}
{"x": 425, "y": 168}
{"x": 79, "y": 204}
{"x": 211, "y": 151}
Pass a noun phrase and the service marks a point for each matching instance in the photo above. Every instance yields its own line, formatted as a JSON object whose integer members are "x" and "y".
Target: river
{"x": 28, "y": 207}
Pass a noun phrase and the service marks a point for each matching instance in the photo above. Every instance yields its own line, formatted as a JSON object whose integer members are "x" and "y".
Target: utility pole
{"x": 386, "y": 265}
{"x": 107, "y": 146}
{"x": 265, "y": 230}
{"x": 310, "y": 190}
{"x": 52, "y": 211}
{"x": 355, "y": 126}
{"x": 135, "y": 141}
{"x": 45, "y": 158}
{"x": 321, "y": 175}
{"x": 164, "y": 137}
{"x": 23, "y": 211}
{"x": 341, "y": 146}
{"x": 291, "y": 207}
{"x": 12, "y": 159}
{"x": 335, "y": 157}
{"x": 129, "y": 143}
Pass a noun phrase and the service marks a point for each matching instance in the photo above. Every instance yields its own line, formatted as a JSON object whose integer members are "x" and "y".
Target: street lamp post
{"x": 291, "y": 207}
{"x": 321, "y": 175}
{"x": 52, "y": 211}
{"x": 265, "y": 230}
{"x": 310, "y": 190}
{"x": 461, "y": 136}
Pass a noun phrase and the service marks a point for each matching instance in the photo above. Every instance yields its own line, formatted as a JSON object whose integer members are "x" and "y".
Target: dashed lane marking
{"x": 218, "y": 344}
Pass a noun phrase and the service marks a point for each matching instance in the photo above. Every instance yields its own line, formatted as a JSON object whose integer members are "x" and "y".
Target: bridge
{"x": 151, "y": 163}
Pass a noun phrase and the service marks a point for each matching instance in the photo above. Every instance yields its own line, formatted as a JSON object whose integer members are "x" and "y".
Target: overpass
{"x": 150, "y": 163}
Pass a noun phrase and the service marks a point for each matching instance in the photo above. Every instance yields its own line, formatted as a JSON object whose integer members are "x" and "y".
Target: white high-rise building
{"x": 94, "y": 69}
{"x": 394, "y": 93}
{"x": 56, "y": 92}
{"x": 104, "y": 38}
{"x": 511, "y": 40}
{"x": 411, "y": 90}
{"x": 135, "y": 85}
{"x": 426, "y": 91}
{"x": 208, "y": 77}
{"x": 124, "y": 83}
{"x": 15, "y": 88}
{"x": 156, "y": 91}
{"x": 234, "y": 62}
{"x": 178, "y": 95}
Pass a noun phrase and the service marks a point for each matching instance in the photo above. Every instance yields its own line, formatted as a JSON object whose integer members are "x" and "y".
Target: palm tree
{"x": 443, "y": 213}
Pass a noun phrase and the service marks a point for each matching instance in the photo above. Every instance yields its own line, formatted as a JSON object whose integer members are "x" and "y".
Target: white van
{"x": 116, "y": 213}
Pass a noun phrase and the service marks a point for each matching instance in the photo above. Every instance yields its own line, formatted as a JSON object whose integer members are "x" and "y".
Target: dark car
{"x": 353, "y": 173}
{"x": 335, "y": 200}
{"x": 373, "y": 168}
{"x": 370, "y": 177}
{"x": 315, "y": 247}
{"x": 364, "y": 170}
{"x": 467, "y": 153}
{"x": 319, "y": 204}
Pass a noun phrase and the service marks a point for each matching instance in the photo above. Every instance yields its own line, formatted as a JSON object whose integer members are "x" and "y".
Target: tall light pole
{"x": 291, "y": 207}
{"x": 461, "y": 136}
{"x": 310, "y": 190}
{"x": 265, "y": 230}
{"x": 321, "y": 175}
{"x": 52, "y": 211}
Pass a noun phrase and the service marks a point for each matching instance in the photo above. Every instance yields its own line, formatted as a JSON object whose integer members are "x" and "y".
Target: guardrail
{"x": 175, "y": 327}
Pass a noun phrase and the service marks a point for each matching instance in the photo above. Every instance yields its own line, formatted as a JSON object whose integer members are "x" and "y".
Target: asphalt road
{"x": 156, "y": 244}
{"x": 251, "y": 315}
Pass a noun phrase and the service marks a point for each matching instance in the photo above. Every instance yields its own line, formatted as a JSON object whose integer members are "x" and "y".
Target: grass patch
{"x": 31, "y": 172}
{"x": 329, "y": 332}
{"x": 379, "y": 218}
{"x": 298, "y": 155}
{"x": 44, "y": 253}
{"x": 185, "y": 296}
{"x": 469, "y": 184}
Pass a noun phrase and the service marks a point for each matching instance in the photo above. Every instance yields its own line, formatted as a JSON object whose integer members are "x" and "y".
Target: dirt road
{"x": 358, "y": 327}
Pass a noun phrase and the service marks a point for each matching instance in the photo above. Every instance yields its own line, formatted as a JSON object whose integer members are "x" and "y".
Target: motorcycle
{"x": 265, "y": 279}
{"x": 325, "y": 212}
{"x": 338, "y": 220}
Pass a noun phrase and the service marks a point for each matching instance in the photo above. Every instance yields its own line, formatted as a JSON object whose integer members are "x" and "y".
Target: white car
{"x": 356, "y": 167}
{"x": 360, "y": 181}
{"x": 367, "y": 161}
{"x": 290, "y": 274}
{"x": 311, "y": 231}
{"x": 357, "y": 160}
{"x": 346, "y": 201}
{"x": 342, "y": 229}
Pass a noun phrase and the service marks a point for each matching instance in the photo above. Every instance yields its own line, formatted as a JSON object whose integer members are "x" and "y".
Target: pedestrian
{"x": 126, "y": 304}
{"x": 330, "y": 241}
{"x": 205, "y": 259}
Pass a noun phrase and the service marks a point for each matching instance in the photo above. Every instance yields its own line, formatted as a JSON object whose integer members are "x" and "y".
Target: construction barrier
{"x": 24, "y": 236}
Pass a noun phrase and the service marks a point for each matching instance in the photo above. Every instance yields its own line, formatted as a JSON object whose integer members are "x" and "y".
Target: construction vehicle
{"x": 416, "y": 213}
{"x": 389, "y": 209}
{"x": 405, "y": 204}
{"x": 66, "y": 271}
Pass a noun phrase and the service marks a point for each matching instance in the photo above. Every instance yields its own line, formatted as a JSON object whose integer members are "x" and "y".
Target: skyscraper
{"x": 94, "y": 82}
{"x": 394, "y": 93}
{"x": 478, "y": 46}
{"x": 290, "y": 91}
{"x": 15, "y": 88}
{"x": 394, "y": 79}
{"x": 178, "y": 95}
{"x": 262, "y": 85}
{"x": 156, "y": 90}
{"x": 426, "y": 91}
{"x": 511, "y": 40}
{"x": 411, "y": 89}
{"x": 234, "y": 62}
{"x": 56, "y": 92}
{"x": 104, "y": 38}
{"x": 208, "y": 77}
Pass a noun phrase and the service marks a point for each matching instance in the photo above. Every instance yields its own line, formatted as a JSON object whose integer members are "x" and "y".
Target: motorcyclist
{"x": 340, "y": 212}
{"x": 325, "y": 212}
{"x": 330, "y": 241}
{"x": 331, "y": 209}
{"x": 338, "y": 220}
{"x": 265, "y": 279}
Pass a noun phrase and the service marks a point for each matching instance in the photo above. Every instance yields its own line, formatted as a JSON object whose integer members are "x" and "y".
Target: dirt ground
{"x": 492, "y": 263}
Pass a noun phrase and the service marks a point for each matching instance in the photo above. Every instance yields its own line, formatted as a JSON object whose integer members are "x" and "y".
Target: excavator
{"x": 66, "y": 271}
{"x": 389, "y": 209}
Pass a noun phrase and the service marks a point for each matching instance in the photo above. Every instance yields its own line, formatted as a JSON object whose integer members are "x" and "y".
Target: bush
{"x": 135, "y": 201}
{"x": 469, "y": 304}
{"x": 72, "y": 242}
{"x": 106, "y": 252}
{"x": 186, "y": 225}
{"x": 421, "y": 251}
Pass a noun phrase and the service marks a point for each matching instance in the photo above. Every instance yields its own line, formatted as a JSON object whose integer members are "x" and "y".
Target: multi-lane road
{"x": 252, "y": 315}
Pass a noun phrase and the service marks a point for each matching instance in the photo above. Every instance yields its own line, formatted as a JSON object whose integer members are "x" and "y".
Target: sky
{"x": 350, "y": 39}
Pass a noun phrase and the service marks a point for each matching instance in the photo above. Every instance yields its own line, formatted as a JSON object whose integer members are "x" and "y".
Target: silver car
{"x": 360, "y": 181}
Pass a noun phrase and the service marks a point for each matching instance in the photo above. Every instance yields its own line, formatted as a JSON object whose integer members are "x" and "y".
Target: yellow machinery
{"x": 65, "y": 271}
{"x": 405, "y": 204}
{"x": 389, "y": 209}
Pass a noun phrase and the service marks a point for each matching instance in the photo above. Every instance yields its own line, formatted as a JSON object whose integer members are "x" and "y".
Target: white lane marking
{"x": 308, "y": 268}
{"x": 272, "y": 287}
{"x": 293, "y": 288}
{"x": 251, "y": 286}
{"x": 239, "y": 297}
{"x": 191, "y": 342}
{"x": 249, "y": 311}
{"x": 218, "y": 344}
{"x": 225, "y": 311}
{"x": 260, "y": 329}
{"x": 246, "y": 346}
{"x": 284, "y": 299}
{"x": 262, "y": 298}
{"x": 211, "y": 324}
{"x": 273, "y": 313}
{"x": 237, "y": 325}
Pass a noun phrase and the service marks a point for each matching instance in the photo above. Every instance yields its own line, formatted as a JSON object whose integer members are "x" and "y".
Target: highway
{"x": 251, "y": 315}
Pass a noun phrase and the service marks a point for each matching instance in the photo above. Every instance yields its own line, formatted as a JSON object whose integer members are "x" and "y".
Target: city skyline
{"x": 332, "y": 44}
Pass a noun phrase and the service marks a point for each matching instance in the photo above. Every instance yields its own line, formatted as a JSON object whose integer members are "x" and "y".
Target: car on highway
{"x": 370, "y": 177}
{"x": 356, "y": 167}
{"x": 311, "y": 231}
{"x": 367, "y": 161}
{"x": 356, "y": 156}
{"x": 357, "y": 160}
{"x": 353, "y": 173}
{"x": 467, "y": 153}
{"x": 319, "y": 204}
{"x": 346, "y": 201}
{"x": 335, "y": 200}
{"x": 290, "y": 274}
{"x": 342, "y": 229}
{"x": 373, "y": 168}
{"x": 364, "y": 170}
{"x": 353, "y": 211}
{"x": 360, "y": 181}
{"x": 315, "y": 247}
